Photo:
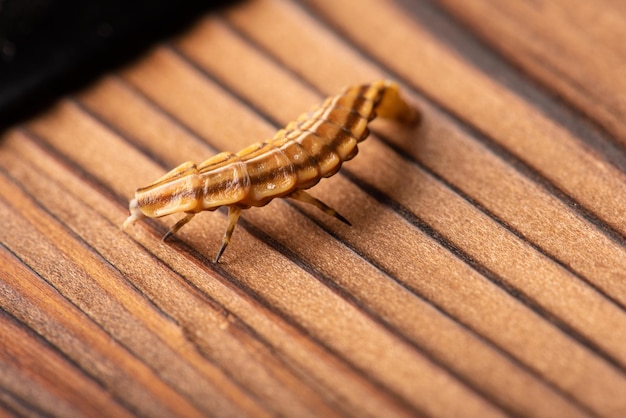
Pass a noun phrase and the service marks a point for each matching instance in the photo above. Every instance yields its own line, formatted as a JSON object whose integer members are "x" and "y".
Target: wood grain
{"x": 575, "y": 48}
{"x": 484, "y": 274}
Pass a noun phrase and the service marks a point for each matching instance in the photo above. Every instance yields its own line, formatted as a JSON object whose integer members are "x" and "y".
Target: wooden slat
{"x": 43, "y": 381}
{"x": 575, "y": 48}
{"x": 483, "y": 274}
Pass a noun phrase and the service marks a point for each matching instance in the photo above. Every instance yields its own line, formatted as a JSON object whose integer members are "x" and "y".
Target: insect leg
{"x": 233, "y": 216}
{"x": 178, "y": 225}
{"x": 303, "y": 196}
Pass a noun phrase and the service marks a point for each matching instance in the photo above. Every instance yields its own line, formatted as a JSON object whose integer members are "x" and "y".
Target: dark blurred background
{"x": 49, "y": 47}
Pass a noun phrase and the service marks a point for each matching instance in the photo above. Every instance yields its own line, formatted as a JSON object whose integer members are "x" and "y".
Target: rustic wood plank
{"x": 483, "y": 274}
{"x": 462, "y": 169}
{"x": 575, "y": 48}
{"x": 64, "y": 261}
{"x": 196, "y": 313}
{"x": 194, "y": 271}
{"x": 596, "y": 186}
{"x": 511, "y": 245}
{"x": 43, "y": 380}
{"x": 350, "y": 328}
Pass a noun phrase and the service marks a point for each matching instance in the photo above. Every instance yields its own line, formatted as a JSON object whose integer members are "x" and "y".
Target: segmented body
{"x": 308, "y": 149}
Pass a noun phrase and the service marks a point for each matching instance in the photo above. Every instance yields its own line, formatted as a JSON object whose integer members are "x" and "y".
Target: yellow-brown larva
{"x": 298, "y": 157}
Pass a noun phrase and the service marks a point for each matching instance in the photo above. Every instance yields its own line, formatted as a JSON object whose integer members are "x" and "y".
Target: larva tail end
{"x": 135, "y": 214}
{"x": 393, "y": 106}
{"x": 411, "y": 116}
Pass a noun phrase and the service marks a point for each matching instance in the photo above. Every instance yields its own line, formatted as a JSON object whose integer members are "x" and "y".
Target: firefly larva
{"x": 298, "y": 157}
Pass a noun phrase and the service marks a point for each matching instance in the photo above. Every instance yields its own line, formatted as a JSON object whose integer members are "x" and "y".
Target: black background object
{"x": 49, "y": 47}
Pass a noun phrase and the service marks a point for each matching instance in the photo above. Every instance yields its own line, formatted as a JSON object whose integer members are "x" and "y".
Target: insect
{"x": 308, "y": 149}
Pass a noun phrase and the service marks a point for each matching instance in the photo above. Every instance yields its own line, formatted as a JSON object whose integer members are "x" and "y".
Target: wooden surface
{"x": 484, "y": 274}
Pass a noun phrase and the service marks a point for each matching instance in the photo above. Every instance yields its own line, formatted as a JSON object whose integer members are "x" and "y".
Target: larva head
{"x": 175, "y": 192}
{"x": 135, "y": 214}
